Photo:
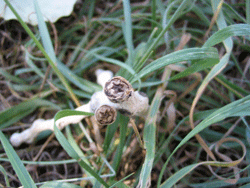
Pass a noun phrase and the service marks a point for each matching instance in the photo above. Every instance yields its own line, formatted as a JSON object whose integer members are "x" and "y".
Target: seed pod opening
{"x": 118, "y": 89}
{"x": 105, "y": 115}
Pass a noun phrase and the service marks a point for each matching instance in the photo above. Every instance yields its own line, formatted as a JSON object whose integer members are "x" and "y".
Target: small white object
{"x": 103, "y": 76}
{"x": 52, "y": 10}
{"x": 135, "y": 105}
{"x": 28, "y": 136}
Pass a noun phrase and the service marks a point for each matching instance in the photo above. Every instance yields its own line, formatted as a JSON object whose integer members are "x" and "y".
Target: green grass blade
{"x": 236, "y": 108}
{"x": 16, "y": 163}
{"x": 223, "y": 34}
{"x": 120, "y": 183}
{"x": 170, "y": 182}
{"x": 248, "y": 11}
{"x": 83, "y": 84}
{"x": 153, "y": 11}
{"x": 116, "y": 62}
{"x": 127, "y": 29}
{"x": 212, "y": 183}
{"x": 199, "y": 12}
{"x": 220, "y": 183}
{"x": 69, "y": 149}
{"x": 65, "y": 113}
{"x": 91, "y": 11}
{"x": 233, "y": 87}
{"x": 178, "y": 12}
{"x": 196, "y": 67}
{"x": 80, "y": 46}
{"x": 109, "y": 135}
{"x": 59, "y": 184}
{"x": 32, "y": 65}
{"x": 245, "y": 186}
{"x": 5, "y": 176}
{"x": 119, "y": 151}
{"x": 44, "y": 33}
{"x": 75, "y": 146}
{"x": 15, "y": 113}
{"x": 21, "y": 87}
{"x": 227, "y": 8}
{"x": 178, "y": 56}
{"x": 177, "y": 176}
{"x": 10, "y": 77}
{"x": 150, "y": 140}
{"x": 221, "y": 23}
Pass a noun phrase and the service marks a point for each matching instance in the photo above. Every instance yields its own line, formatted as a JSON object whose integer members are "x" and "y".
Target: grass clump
{"x": 190, "y": 57}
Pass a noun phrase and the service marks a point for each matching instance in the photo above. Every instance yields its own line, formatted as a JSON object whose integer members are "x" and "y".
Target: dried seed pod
{"x": 118, "y": 89}
{"x": 105, "y": 115}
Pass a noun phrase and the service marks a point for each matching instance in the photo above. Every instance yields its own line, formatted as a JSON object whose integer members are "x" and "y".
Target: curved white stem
{"x": 28, "y": 136}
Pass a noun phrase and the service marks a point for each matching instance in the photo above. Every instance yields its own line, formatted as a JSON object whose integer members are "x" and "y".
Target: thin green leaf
{"x": 127, "y": 28}
{"x": 236, "y": 89}
{"x": 170, "y": 182}
{"x": 199, "y": 12}
{"x": 177, "y": 176}
{"x": 223, "y": 34}
{"x": 15, "y": 113}
{"x": 146, "y": 84}
{"x": 248, "y": 135}
{"x": 16, "y": 163}
{"x": 47, "y": 43}
{"x": 196, "y": 67}
{"x": 83, "y": 84}
{"x": 78, "y": 48}
{"x": 227, "y": 8}
{"x": 70, "y": 150}
{"x": 59, "y": 184}
{"x": 248, "y": 11}
{"x": 220, "y": 183}
{"x": 178, "y": 56}
{"x": 79, "y": 151}
{"x": 178, "y": 12}
{"x": 5, "y": 176}
{"x": 10, "y": 77}
{"x": 119, "y": 151}
{"x": 236, "y": 108}
{"x": 120, "y": 184}
{"x": 116, "y": 62}
{"x": 149, "y": 140}
{"x": 32, "y": 65}
{"x": 65, "y": 113}
{"x": 109, "y": 135}
{"x": 22, "y": 87}
{"x": 245, "y": 186}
